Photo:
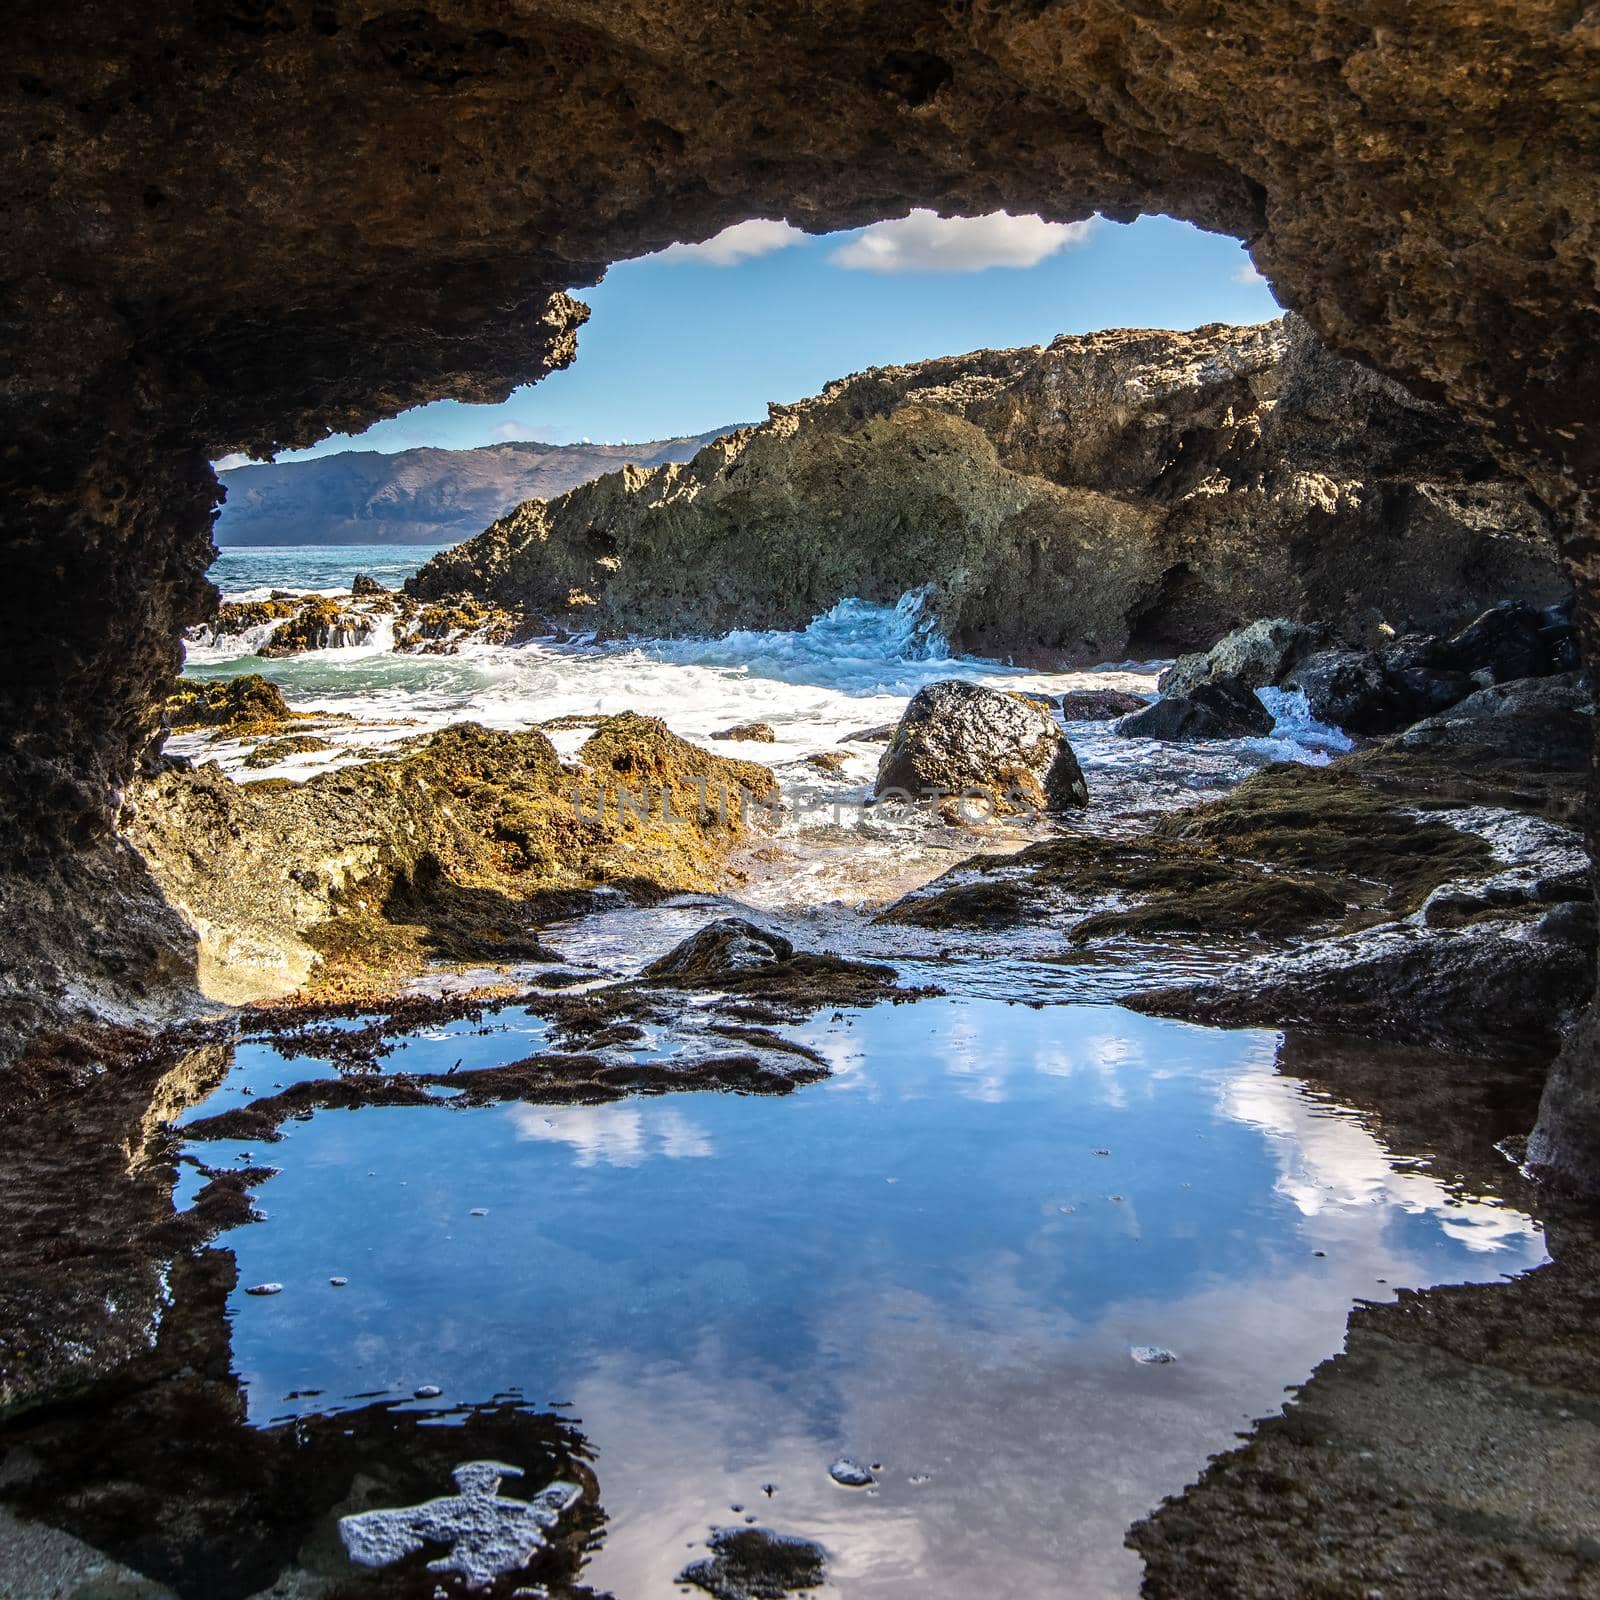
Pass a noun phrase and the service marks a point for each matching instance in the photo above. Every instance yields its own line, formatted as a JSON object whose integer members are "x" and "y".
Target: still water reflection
{"x": 936, "y": 1261}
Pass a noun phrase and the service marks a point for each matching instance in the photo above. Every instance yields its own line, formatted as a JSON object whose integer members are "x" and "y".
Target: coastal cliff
{"x": 422, "y": 496}
{"x": 1111, "y": 494}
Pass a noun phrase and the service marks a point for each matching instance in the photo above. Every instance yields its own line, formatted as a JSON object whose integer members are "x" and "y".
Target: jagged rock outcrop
{"x": 1116, "y": 493}
{"x": 424, "y": 496}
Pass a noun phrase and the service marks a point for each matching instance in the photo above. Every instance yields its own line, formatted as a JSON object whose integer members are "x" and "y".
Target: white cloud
{"x": 511, "y": 431}
{"x": 1247, "y": 274}
{"x": 228, "y": 463}
{"x": 742, "y": 242}
{"x": 619, "y": 1135}
{"x": 925, "y": 242}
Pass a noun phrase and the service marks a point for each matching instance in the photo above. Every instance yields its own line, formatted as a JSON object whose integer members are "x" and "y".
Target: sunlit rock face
{"x": 1118, "y": 493}
{"x": 242, "y": 224}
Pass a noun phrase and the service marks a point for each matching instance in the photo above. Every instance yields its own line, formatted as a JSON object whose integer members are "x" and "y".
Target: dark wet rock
{"x": 961, "y": 739}
{"x": 753, "y": 732}
{"x": 721, "y": 949}
{"x": 1490, "y": 985}
{"x": 242, "y": 706}
{"x": 1506, "y": 642}
{"x": 987, "y": 903}
{"x": 1381, "y": 691}
{"x": 750, "y": 1563}
{"x": 1524, "y": 744}
{"x": 1257, "y": 656}
{"x": 1431, "y": 1460}
{"x": 850, "y": 1474}
{"x": 1216, "y": 709}
{"x": 364, "y": 587}
{"x": 1099, "y": 705}
{"x": 1348, "y": 689}
{"x": 881, "y": 734}
{"x": 742, "y": 959}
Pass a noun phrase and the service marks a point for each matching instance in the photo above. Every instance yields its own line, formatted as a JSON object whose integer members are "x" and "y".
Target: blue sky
{"x": 702, "y": 336}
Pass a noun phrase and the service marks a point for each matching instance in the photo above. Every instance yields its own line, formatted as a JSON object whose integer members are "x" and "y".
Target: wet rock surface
{"x": 1219, "y": 708}
{"x": 961, "y": 740}
{"x": 1254, "y": 657}
{"x": 1097, "y": 705}
{"x": 1442, "y": 1455}
{"x": 1355, "y": 897}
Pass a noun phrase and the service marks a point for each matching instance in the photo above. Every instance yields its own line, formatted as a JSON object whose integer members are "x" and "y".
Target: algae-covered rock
{"x": 320, "y": 623}
{"x": 363, "y": 586}
{"x": 1218, "y": 708}
{"x": 456, "y": 845}
{"x": 756, "y": 732}
{"x": 271, "y": 751}
{"x": 961, "y": 739}
{"x": 244, "y": 705}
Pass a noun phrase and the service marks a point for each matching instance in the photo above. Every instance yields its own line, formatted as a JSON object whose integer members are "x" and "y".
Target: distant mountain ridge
{"x": 423, "y": 496}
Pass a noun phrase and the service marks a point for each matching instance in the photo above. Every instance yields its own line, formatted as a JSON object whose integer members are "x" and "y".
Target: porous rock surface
{"x": 1118, "y": 493}
{"x": 963, "y": 740}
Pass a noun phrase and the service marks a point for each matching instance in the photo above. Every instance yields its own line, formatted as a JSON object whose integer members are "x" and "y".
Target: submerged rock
{"x": 489, "y": 1534}
{"x": 1256, "y": 656}
{"x": 962, "y": 739}
{"x": 1216, "y": 709}
{"x": 850, "y": 1474}
{"x": 729, "y": 945}
{"x": 1099, "y": 705}
{"x": 753, "y": 1563}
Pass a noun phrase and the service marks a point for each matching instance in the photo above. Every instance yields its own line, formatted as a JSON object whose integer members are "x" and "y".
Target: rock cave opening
{"x": 1366, "y": 532}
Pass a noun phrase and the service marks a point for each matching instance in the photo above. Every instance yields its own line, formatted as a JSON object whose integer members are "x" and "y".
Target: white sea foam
{"x": 819, "y": 688}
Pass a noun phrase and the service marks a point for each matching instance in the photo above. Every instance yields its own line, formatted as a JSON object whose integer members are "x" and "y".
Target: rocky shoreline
{"x": 1116, "y": 494}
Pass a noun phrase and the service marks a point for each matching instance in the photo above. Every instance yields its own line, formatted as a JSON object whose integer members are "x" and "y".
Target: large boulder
{"x": 961, "y": 739}
{"x": 1548, "y": 722}
{"x": 1225, "y": 709}
{"x": 1256, "y": 656}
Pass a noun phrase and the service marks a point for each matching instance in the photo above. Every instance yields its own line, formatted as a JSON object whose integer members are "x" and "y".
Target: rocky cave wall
{"x": 242, "y": 224}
